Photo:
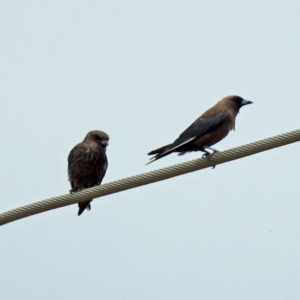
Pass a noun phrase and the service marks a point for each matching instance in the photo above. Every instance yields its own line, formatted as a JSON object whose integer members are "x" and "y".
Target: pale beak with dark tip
{"x": 104, "y": 143}
{"x": 245, "y": 102}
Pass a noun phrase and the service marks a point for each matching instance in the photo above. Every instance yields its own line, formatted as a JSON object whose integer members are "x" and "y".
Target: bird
{"x": 87, "y": 164}
{"x": 210, "y": 128}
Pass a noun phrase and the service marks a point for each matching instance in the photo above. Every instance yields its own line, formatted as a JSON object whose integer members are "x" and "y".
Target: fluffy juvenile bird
{"x": 209, "y": 129}
{"x": 87, "y": 164}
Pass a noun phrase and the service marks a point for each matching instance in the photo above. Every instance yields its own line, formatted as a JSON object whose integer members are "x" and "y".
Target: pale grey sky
{"x": 143, "y": 71}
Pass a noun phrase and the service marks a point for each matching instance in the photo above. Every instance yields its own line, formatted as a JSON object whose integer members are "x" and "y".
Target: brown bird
{"x": 87, "y": 164}
{"x": 209, "y": 129}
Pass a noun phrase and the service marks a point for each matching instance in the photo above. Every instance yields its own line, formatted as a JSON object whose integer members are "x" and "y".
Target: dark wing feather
{"x": 87, "y": 204}
{"x": 103, "y": 173}
{"x": 200, "y": 127}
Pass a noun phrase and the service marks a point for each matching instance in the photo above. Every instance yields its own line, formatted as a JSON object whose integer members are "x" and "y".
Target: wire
{"x": 150, "y": 177}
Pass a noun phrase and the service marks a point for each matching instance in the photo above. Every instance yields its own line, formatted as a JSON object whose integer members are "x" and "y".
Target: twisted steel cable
{"x": 150, "y": 177}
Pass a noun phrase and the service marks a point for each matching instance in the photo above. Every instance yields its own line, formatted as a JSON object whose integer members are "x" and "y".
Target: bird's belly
{"x": 86, "y": 171}
{"x": 211, "y": 138}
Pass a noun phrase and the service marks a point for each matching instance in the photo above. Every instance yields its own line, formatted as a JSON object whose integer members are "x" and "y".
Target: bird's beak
{"x": 245, "y": 102}
{"x": 104, "y": 143}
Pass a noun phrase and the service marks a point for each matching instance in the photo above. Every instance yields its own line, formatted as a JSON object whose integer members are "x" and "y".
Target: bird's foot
{"x": 207, "y": 155}
{"x": 75, "y": 190}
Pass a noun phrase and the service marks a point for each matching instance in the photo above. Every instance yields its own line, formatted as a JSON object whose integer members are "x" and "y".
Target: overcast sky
{"x": 143, "y": 71}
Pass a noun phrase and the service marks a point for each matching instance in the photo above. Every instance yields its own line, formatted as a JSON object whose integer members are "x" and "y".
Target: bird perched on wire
{"x": 87, "y": 164}
{"x": 209, "y": 129}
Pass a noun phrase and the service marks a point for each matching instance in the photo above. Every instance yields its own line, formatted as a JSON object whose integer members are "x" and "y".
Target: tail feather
{"x": 84, "y": 205}
{"x": 159, "y": 150}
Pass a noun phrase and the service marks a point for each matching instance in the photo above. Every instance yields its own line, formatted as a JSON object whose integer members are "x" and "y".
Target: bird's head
{"x": 98, "y": 136}
{"x": 236, "y": 102}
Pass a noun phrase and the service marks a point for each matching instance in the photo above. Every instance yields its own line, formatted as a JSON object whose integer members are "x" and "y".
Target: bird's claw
{"x": 75, "y": 190}
{"x": 207, "y": 155}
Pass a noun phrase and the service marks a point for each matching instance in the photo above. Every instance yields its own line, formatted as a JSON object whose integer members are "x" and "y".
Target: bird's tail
{"x": 84, "y": 205}
{"x": 160, "y": 152}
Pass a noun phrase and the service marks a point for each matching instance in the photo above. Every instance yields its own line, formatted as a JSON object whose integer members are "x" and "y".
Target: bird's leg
{"x": 207, "y": 155}
{"x": 213, "y": 150}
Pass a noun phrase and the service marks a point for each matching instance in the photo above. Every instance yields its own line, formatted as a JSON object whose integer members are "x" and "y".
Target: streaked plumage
{"x": 87, "y": 164}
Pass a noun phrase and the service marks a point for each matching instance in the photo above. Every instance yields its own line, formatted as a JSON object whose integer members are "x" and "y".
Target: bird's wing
{"x": 200, "y": 127}
{"x": 103, "y": 173}
{"x": 75, "y": 153}
{"x": 101, "y": 177}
